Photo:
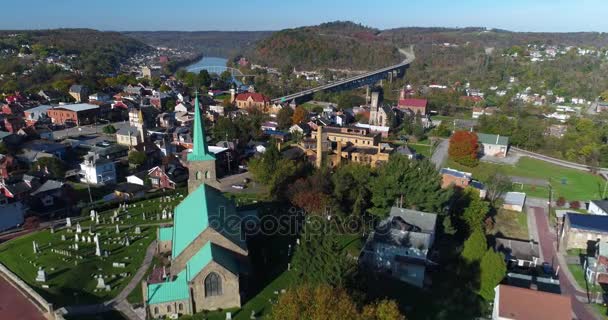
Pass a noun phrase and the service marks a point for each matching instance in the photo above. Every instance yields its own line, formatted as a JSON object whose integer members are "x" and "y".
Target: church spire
{"x": 200, "y": 152}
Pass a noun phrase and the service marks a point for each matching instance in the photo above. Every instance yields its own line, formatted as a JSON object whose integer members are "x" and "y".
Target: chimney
{"x": 319, "y": 159}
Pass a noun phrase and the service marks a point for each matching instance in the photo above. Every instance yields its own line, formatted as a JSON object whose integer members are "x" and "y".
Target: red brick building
{"x": 78, "y": 114}
{"x": 413, "y": 104}
{"x": 13, "y": 124}
{"x": 252, "y": 100}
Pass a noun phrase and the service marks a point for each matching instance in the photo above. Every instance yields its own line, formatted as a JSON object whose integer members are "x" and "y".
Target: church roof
{"x": 169, "y": 291}
{"x": 165, "y": 234}
{"x": 210, "y": 252}
{"x": 200, "y": 210}
{"x": 200, "y": 152}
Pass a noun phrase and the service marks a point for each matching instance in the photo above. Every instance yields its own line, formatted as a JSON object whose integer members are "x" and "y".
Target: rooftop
{"x": 602, "y": 204}
{"x": 515, "y": 198}
{"x": 525, "y": 304}
{"x": 77, "y": 107}
{"x": 493, "y": 139}
{"x": 589, "y": 222}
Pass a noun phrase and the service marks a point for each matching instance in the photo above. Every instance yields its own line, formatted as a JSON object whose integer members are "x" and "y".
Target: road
{"x": 559, "y": 162}
{"x": 547, "y": 239}
{"x": 14, "y": 305}
{"x": 88, "y": 129}
{"x": 440, "y": 154}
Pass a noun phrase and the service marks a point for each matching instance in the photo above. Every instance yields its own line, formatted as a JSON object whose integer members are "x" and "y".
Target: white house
{"x": 494, "y": 145}
{"x": 599, "y": 207}
{"x": 97, "y": 170}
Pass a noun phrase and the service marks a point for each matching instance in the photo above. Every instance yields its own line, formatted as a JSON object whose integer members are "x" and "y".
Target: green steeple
{"x": 200, "y": 152}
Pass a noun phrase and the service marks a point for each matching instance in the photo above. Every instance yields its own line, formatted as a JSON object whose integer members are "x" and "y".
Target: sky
{"x": 239, "y": 15}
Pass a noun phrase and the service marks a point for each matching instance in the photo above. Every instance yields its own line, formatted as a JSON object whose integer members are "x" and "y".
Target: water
{"x": 211, "y": 64}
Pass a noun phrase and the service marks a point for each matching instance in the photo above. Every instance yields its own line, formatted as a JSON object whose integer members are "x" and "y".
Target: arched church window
{"x": 155, "y": 310}
{"x": 213, "y": 285}
{"x": 180, "y": 307}
{"x": 207, "y": 175}
{"x": 199, "y": 175}
{"x": 169, "y": 308}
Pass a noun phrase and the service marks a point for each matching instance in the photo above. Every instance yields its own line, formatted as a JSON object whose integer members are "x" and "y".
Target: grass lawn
{"x": 352, "y": 243}
{"x": 97, "y": 192}
{"x": 601, "y": 309}
{"x": 579, "y": 275}
{"x": 71, "y": 279}
{"x": 511, "y": 224}
{"x": 578, "y": 185}
{"x": 424, "y": 150}
{"x": 135, "y": 296}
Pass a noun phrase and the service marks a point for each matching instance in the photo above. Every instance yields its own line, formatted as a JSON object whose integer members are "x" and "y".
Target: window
{"x": 180, "y": 307}
{"x": 213, "y": 285}
{"x": 207, "y": 175}
{"x": 155, "y": 310}
{"x": 169, "y": 308}
{"x": 221, "y": 211}
{"x": 198, "y": 175}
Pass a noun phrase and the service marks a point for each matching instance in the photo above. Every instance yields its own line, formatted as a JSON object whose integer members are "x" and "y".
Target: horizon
{"x": 514, "y": 16}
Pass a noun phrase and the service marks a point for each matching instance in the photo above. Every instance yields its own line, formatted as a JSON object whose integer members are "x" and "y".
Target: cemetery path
{"x": 136, "y": 280}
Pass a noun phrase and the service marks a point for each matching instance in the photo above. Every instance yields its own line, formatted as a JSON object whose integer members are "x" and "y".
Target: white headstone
{"x": 117, "y": 229}
{"x": 76, "y": 238}
{"x": 68, "y": 222}
{"x": 78, "y": 228}
{"x": 89, "y": 239}
{"x": 41, "y": 276}
{"x": 100, "y": 283}
{"x": 137, "y": 230}
{"x": 164, "y": 214}
{"x": 63, "y": 237}
{"x": 92, "y": 215}
{"x": 228, "y": 315}
{"x": 97, "y": 249}
{"x": 127, "y": 242}
{"x": 75, "y": 246}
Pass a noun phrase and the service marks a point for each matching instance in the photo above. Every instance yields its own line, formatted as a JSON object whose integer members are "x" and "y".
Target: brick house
{"x": 77, "y": 114}
{"x": 582, "y": 231}
{"x": 252, "y": 100}
{"x": 459, "y": 179}
{"x": 12, "y": 109}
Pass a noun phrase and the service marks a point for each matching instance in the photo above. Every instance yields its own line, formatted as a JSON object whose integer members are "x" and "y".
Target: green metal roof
{"x": 200, "y": 152}
{"x": 165, "y": 234}
{"x": 493, "y": 139}
{"x": 169, "y": 291}
{"x": 200, "y": 210}
{"x": 210, "y": 252}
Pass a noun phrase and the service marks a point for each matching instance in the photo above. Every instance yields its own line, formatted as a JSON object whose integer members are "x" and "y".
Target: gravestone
{"x": 52, "y": 229}
{"x": 41, "y": 276}
{"x": 137, "y": 230}
{"x": 117, "y": 229}
{"x": 97, "y": 249}
{"x": 78, "y": 228}
{"x": 35, "y": 247}
{"x": 76, "y": 238}
{"x": 127, "y": 242}
{"x": 100, "y": 283}
{"x": 63, "y": 237}
{"x": 92, "y": 215}
{"x": 228, "y": 315}
{"x": 68, "y": 222}
{"x": 76, "y": 246}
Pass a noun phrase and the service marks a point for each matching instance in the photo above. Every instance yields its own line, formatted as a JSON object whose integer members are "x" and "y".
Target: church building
{"x": 209, "y": 255}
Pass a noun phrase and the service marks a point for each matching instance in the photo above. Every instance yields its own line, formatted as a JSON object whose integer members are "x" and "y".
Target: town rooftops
{"x": 257, "y": 97}
{"x": 523, "y": 250}
{"x": 413, "y": 102}
{"x": 497, "y": 139}
{"x": 456, "y": 173}
{"x": 49, "y": 185}
{"x": 515, "y": 198}
{"x": 78, "y": 107}
{"x": 525, "y": 304}
{"x": 76, "y": 88}
{"x": 589, "y": 222}
{"x": 423, "y": 220}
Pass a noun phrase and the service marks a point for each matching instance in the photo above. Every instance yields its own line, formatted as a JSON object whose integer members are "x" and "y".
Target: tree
{"x": 320, "y": 259}
{"x": 51, "y": 166}
{"x": 414, "y": 183}
{"x": 352, "y": 188}
{"x": 273, "y": 171}
{"x": 464, "y": 148}
{"x": 284, "y": 117}
{"x": 3, "y": 149}
{"x": 224, "y": 128}
{"x": 492, "y": 270}
{"x": 474, "y": 247}
{"x": 497, "y": 185}
{"x": 299, "y": 115}
{"x": 325, "y": 302}
{"x": 109, "y": 129}
{"x": 476, "y": 212}
{"x": 137, "y": 158}
{"x": 311, "y": 193}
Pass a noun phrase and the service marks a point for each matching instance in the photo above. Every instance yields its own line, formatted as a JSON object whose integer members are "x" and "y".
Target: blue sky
{"x": 516, "y": 15}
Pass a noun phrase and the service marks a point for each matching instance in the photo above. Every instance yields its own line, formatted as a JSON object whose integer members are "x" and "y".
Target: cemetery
{"x": 88, "y": 259}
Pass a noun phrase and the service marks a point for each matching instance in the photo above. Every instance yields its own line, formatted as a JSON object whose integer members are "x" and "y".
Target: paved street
{"x": 440, "y": 155}
{"x": 88, "y": 129}
{"x": 14, "y": 305}
{"x": 547, "y": 245}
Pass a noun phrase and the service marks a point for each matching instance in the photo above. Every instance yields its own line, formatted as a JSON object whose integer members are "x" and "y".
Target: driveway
{"x": 440, "y": 155}
{"x": 547, "y": 240}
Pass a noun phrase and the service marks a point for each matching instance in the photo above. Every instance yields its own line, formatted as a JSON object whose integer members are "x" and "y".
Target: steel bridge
{"x": 220, "y": 69}
{"x": 369, "y": 78}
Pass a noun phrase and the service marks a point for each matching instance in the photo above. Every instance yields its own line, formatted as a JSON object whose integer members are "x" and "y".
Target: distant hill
{"x": 210, "y": 43}
{"x": 329, "y": 45}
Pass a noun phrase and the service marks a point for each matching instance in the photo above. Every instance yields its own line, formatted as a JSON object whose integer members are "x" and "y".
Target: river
{"x": 206, "y": 62}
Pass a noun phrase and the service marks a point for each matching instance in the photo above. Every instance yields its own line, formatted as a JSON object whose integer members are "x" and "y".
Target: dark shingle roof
{"x": 589, "y": 222}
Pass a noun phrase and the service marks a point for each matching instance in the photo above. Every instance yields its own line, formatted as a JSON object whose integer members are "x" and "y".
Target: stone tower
{"x": 319, "y": 156}
{"x": 373, "y": 112}
{"x": 201, "y": 163}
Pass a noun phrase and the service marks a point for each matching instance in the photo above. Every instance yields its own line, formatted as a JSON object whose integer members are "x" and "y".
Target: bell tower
{"x": 201, "y": 163}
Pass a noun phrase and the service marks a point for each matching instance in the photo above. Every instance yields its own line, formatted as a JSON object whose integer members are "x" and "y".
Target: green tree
{"x": 497, "y": 184}
{"x": 3, "y": 148}
{"x": 352, "y": 188}
{"x": 273, "y": 171}
{"x": 476, "y": 212}
{"x": 414, "y": 183}
{"x": 474, "y": 247}
{"x": 492, "y": 270}
{"x": 55, "y": 167}
{"x": 223, "y": 129}
{"x": 284, "y": 117}
{"x": 137, "y": 158}
{"x": 319, "y": 259}
{"x": 109, "y": 129}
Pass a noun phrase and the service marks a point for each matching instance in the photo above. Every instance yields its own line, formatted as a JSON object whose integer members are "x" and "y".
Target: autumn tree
{"x": 311, "y": 193}
{"x": 299, "y": 115}
{"x": 325, "y": 302}
{"x": 284, "y": 117}
{"x": 464, "y": 148}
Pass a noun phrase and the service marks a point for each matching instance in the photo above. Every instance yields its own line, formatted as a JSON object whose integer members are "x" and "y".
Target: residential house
{"x": 253, "y": 100}
{"x": 129, "y": 191}
{"x": 48, "y": 193}
{"x": 269, "y": 125}
{"x": 129, "y": 136}
{"x": 406, "y": 151}
{"x": 514, "y": 201}
{"x": 399, "y": 247}
{"x": 460, "y": 179}
{"x": 596, "y": 266}
{"x": 493, "y": 145}
{"x": 36, "y": 114}
{"x": 13, "y": 123}
{"x": 54, "y": 149}
{"x": 599, "y": 207}
{"x": 78, "y": 92}
{"x": 301, "y": 128}
{"x": 74, "y": 114}
{"x": 19, "y": 187}
{"x": 582, "y": 231}
{"x": 483, "y": 111}
{"x": 518, "y": 253}
{"x": 97, "y": 170}
{"x": 161, "y": 177}
{"x": 11, "y": 215}
{"x": 15, "y": 109}
{"x": 514, "y": 303}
